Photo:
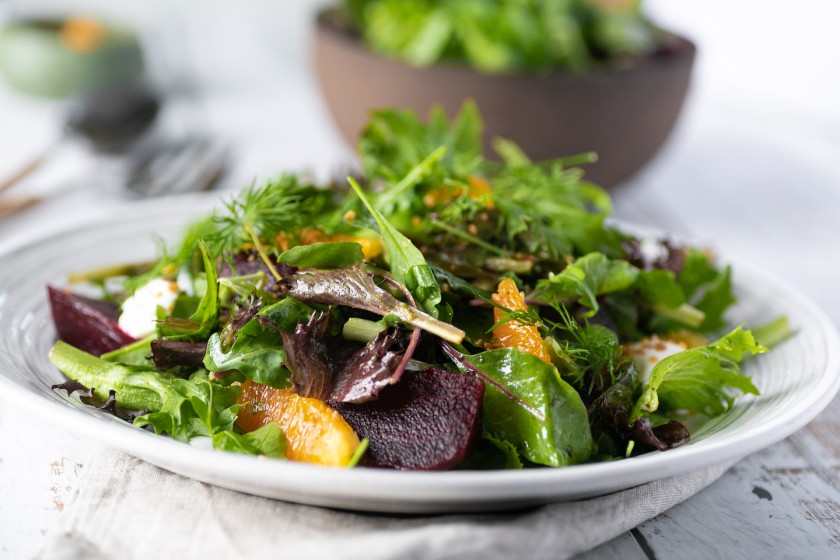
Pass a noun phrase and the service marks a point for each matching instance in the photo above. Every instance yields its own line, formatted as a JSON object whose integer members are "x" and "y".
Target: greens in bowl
{"x": 503, "y": 36}
{"x": 439, "y": 311}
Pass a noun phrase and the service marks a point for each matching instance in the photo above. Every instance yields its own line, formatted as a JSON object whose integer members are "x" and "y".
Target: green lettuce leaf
{"x": 716, "y": 299}
{"x": 257, "y": 353}
{"x": 336, "y": 254}
{"x": 408, "y": 266}
{"x": 700, "y": 380}
{"x": 586, "y": 278}
{"x": 268, "y": 440}
{"x": 201, "y": 323}
{"x": 182, "y": 408}
{"x": 395, "y": 142}
{"x": 527, "y": 404}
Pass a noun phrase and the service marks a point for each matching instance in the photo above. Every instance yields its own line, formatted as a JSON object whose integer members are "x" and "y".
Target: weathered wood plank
{"x": 40, "y": 465}
{"x": 783, "y": 502}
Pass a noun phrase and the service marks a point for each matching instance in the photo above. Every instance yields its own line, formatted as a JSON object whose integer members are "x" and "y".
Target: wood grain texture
{"x": 40, "y": 465}
{"x": 782, "y": 502}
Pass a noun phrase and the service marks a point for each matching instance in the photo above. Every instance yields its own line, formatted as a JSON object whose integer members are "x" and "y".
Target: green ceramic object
{"x": 55, "y": 58}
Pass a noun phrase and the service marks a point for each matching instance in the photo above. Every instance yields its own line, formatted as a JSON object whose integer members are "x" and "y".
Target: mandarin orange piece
{"x": 513, "y": 333}
{"x": 316, "y": 433}
{"x": 478, "y": 188}
{"x": 371, "y": 246}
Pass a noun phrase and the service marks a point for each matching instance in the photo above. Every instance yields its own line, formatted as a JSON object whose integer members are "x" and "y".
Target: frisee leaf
{"x": 586, "y": 278}
{"x": 282, "y": 205}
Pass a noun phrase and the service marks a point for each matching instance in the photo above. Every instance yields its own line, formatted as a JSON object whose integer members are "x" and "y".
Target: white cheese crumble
{"x": 652, "y": 250}
{"x": 139, "y": 312}
{"x": 648, "y": 352}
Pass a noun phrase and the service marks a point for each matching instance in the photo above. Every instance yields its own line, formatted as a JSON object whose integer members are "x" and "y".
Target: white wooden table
{"x": 759, "y": 185}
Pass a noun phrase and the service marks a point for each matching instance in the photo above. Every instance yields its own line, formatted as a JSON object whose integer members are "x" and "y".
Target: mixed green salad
{"x": 506, "y": 35}
{"x": 439, "y": 310}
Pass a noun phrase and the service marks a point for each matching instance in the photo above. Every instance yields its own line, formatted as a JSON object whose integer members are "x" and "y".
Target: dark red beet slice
{"x": 428, "y": 420}
{"x": 88, "y": 324}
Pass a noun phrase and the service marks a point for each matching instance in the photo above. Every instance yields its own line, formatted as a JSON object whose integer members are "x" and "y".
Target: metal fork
{"x": 194, "y": 163}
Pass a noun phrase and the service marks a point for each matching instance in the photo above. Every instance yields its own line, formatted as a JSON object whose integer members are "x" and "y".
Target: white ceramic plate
{"x": 797, "y": 380}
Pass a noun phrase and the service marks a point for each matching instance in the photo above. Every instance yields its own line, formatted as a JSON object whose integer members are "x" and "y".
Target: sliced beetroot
{"x": 429, "y": 420}
{"x": 88, "y": 324}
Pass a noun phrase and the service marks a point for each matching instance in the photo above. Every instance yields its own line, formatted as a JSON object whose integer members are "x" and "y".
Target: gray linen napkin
{"x": 126, "y": 508}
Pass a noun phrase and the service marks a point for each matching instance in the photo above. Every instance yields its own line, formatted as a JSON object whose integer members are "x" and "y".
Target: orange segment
{"x": 478, "y": 188}
{"x": 514, "y": 334}
{"x": 316, "y": 433}
{"x": 371, "y": 246}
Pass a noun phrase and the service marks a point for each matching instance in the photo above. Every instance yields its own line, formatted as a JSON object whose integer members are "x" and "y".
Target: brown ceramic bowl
{"x": 624, "y": 114}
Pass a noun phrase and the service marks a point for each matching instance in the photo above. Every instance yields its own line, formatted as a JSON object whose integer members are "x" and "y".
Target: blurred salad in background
{"x": 493, "y": 36}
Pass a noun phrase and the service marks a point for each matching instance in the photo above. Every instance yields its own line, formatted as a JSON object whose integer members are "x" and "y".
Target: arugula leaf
{"x": 696, "y": 271}
{"x": 527, "y": 404}
{"x": 335, "y": 254}
{"x": 586, "y": 278}
{"x": 659, "y": 288}
{"x": 700, "y": 379}
{"x": 242, "y": 286}
{"x": 660, "y": 291}
{"x": 285, "y": 314}
{"x": 201, "y": 323}
{"x": 135, "y": 354}
{"x": 717, "y": 298}
{"x": 408, "y": 267}
{"x": 172, "y": 260}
